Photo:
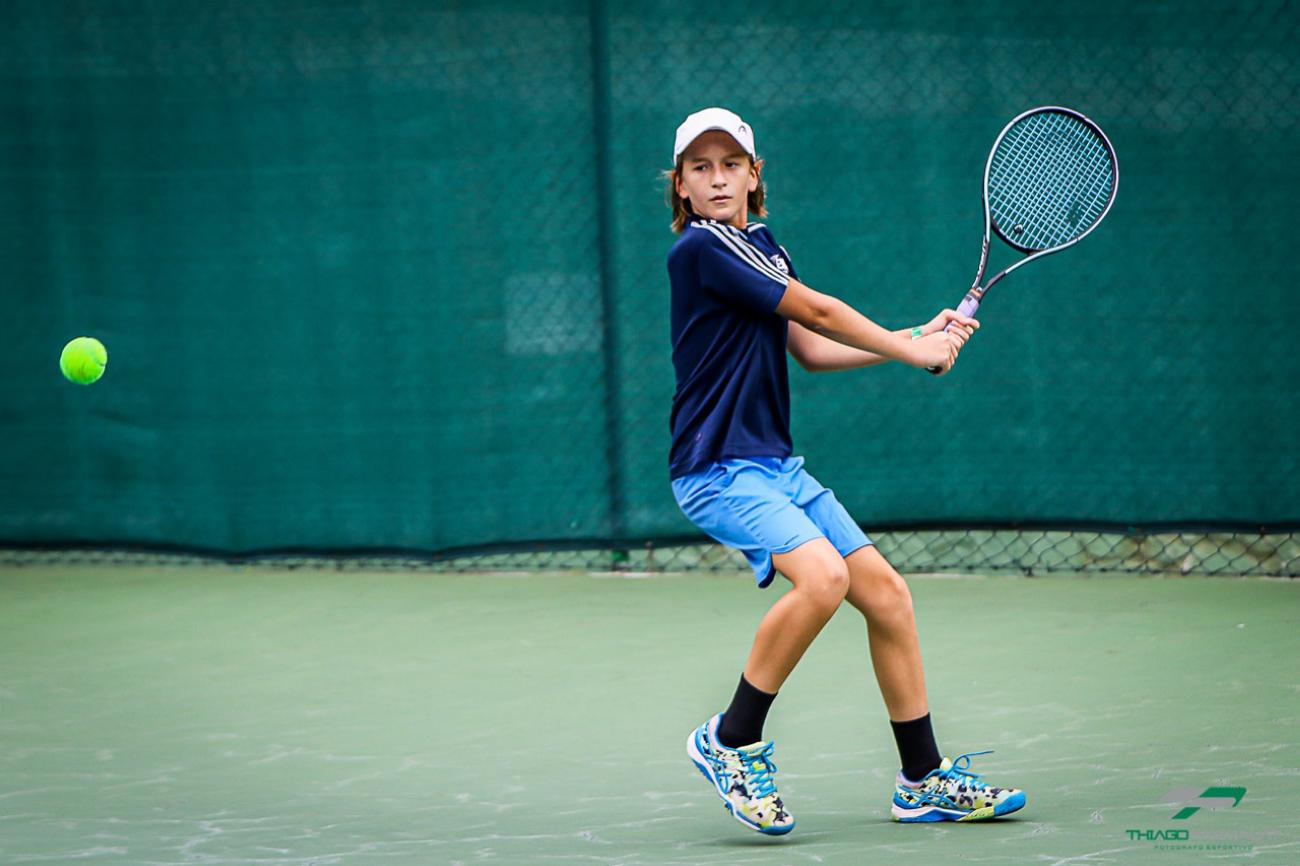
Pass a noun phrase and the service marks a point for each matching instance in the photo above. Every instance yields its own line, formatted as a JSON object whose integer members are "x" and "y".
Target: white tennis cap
{"x": 714, "y": 118}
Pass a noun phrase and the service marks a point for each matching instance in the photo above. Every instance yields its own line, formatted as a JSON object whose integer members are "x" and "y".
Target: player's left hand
{"x": 962, "y": 330}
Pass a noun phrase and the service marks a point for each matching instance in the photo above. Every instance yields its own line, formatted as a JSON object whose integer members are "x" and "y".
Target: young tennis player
{"x": 737, "y": 308}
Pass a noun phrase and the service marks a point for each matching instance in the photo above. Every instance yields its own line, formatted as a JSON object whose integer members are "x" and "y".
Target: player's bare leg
{"x": 941, "y": 789}
{"x": 881, "y": 595}
{"x": 821, "y": 578}
{"x": 744, "y": 775}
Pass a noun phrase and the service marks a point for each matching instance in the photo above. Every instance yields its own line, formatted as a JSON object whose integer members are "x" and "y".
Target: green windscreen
{"x": 392, "y": 274}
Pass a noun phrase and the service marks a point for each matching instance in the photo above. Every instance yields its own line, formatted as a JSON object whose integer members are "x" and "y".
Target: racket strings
{"x": 1044, "y": 178}
{"x": 1050, "y": 180}
{"x": 1044, "y": 192}
{"x": 1044, "y": 184}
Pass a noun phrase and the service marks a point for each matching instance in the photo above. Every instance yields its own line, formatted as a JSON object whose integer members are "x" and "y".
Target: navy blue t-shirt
{"x": 733, "y": 392}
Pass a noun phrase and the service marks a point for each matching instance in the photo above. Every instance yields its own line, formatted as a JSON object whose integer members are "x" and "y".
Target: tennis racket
{"x": 1050, "y": 179}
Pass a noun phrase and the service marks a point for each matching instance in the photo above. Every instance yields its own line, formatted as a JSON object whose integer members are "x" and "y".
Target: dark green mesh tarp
{"x": 391, "y": 274}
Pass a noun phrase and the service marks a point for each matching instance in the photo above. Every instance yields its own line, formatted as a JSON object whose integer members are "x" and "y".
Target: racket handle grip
{"x": 967, "y": 307}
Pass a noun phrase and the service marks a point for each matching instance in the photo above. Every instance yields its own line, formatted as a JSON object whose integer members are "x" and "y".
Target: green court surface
{"x": 252, "y": 716}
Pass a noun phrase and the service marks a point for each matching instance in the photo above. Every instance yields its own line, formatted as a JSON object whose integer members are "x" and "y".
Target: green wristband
{"x": 917, "y": 332}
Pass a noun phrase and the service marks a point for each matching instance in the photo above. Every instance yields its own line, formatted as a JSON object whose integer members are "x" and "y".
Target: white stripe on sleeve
{"x": 746, "y": 251}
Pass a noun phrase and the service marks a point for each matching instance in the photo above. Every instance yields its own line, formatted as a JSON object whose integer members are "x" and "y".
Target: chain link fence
{"x": 981, "y": 551}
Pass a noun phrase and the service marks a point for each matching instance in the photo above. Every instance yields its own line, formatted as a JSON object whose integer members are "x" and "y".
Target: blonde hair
{"x": 682, "y": 207}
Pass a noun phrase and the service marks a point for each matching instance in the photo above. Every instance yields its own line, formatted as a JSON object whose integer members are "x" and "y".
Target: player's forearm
{"x": 840, "y": 357}
{"x": 818, "y": 354}
{"x": 838, "y": 321}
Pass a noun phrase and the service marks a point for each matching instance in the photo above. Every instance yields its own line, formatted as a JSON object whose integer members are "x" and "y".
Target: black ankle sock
{"x": 742, "y": 724}
{"x": 916, "y": 747}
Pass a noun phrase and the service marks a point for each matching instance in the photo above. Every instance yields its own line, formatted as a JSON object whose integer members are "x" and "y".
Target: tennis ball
{"x": 83, "y": 360}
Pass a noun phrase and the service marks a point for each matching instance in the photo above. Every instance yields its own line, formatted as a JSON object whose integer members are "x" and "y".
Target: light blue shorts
{"x": 765, "y": 505}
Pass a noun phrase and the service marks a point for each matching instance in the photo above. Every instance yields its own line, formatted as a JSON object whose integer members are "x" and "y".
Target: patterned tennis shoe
{"x": 953, "y": 793}
{"x": 743, "y": 778}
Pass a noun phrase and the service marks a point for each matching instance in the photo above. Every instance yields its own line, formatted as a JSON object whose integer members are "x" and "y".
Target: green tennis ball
{"x": 83, "y": 360}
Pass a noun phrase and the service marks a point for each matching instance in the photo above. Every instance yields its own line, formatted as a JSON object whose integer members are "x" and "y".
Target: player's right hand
{"x": 936, "y": 352}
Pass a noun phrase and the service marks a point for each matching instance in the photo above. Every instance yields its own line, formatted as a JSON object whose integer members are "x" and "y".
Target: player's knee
{"x": 829, "y": 585}
{"x": 889, "y": 602}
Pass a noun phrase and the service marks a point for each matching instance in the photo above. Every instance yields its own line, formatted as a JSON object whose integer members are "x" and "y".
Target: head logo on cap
{"x": 714, "y": 118}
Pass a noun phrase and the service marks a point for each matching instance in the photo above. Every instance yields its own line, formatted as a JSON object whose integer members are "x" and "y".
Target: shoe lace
{"x": 960, "y": 770}
{"x": 759, "y": 770}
